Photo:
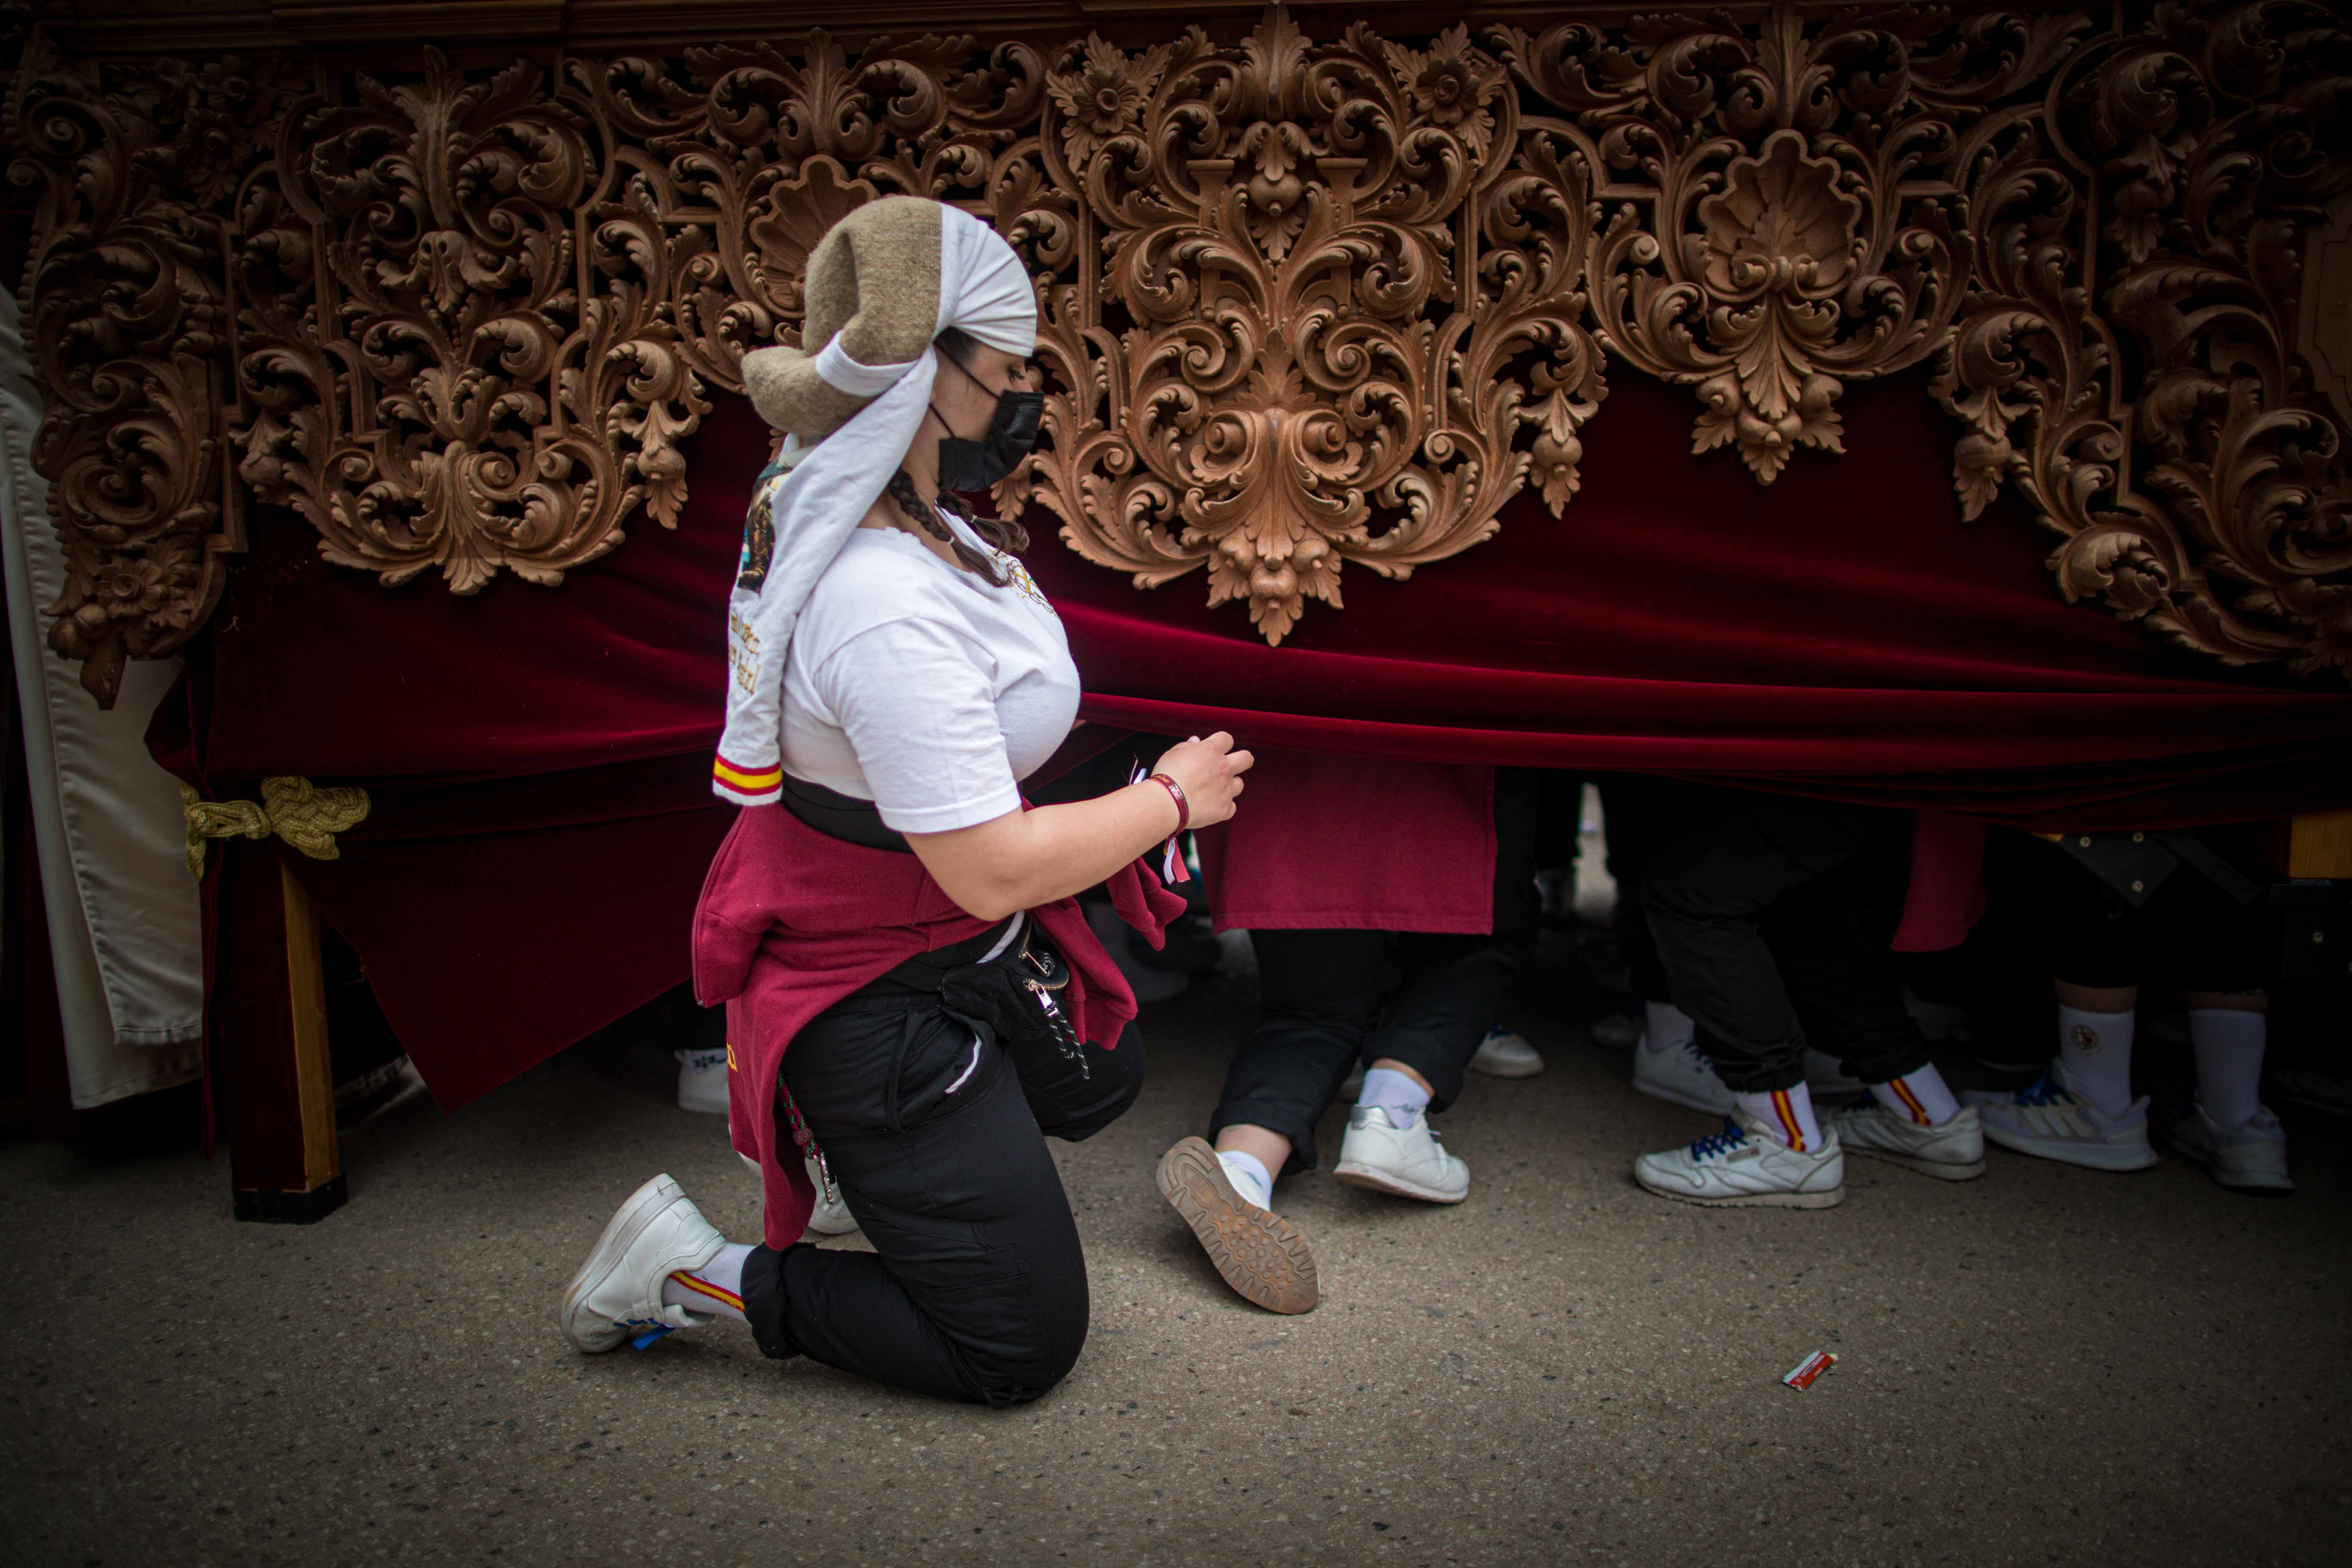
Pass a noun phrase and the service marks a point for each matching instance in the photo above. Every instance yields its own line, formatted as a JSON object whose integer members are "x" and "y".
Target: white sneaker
{"x": 1825, "y": 1075}
{"x": 1952, "y": 1152}
{"x": 1618, "y": 1031}
{"x": 617, "y": 1293}
{"x": 1745, "y": 1165}
{"x": 702, "y": 1080}
{"x": 2047, "y": 1119}
{"x": 831, "y": 1216}
{"x": 1506, "y": 1054}
{"x": 2252, "y": 1157}
{"x": 1680, "y": 1073}
{"x": 828, "y": 1218}
{"x": 1410, "y": 1162}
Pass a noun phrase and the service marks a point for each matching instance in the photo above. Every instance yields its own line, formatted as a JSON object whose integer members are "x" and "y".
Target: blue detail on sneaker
{"x": 653, "y": 1328}
{"x": 2046, "y": 1090}
{"x": 1722, "y": 1142}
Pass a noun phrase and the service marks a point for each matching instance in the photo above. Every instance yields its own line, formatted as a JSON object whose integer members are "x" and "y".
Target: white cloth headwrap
{"x": 815, "y": 495}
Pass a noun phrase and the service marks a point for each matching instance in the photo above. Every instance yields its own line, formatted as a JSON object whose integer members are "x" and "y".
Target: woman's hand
{"x": 1210, "y": 773}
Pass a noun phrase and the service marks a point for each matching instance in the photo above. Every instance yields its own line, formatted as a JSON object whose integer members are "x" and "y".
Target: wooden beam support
{"x": 270, "y": 1007}
{"x": 2316, "y": 844}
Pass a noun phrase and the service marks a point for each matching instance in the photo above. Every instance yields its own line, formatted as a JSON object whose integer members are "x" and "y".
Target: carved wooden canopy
{"x": 1312, "y": 296}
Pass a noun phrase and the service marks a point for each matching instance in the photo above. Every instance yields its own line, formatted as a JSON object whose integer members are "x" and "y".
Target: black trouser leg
{"x": 1454, "y": 991}
{"x": 1318, "y": 993}
{"x": 1706, "y": 890}
{"x": 977, "y": 1287}
{"x": 1637, "y": 814}
{"x": 1830, "y": 939}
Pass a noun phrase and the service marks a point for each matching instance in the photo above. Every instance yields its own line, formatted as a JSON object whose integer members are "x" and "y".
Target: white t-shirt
{"x": 916, "y": 685}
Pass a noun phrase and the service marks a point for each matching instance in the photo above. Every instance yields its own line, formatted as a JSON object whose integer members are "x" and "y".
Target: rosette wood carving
{"x": 1304, "y": 302}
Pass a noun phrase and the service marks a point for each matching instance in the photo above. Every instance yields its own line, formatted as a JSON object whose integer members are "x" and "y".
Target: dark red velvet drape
{"x": 539, "y": 757}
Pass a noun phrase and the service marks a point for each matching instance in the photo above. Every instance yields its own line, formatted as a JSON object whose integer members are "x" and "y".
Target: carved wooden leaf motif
{"x": 1305, "y": 302}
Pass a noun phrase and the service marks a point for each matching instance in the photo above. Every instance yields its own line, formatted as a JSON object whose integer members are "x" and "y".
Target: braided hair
{"x": 1000, "y": 533}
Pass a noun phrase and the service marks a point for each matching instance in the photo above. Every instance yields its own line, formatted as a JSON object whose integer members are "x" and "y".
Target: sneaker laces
{"x": 1700, "y": 1056}
{"x": 1722, "y": 1142}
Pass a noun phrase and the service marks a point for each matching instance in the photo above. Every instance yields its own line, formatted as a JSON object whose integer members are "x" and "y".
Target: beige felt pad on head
{"x": 875, "y": 280}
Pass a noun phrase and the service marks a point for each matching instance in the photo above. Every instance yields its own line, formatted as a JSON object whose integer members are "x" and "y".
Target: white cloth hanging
{"x": 813, "y": 497}
{"x": 125, "y": 929}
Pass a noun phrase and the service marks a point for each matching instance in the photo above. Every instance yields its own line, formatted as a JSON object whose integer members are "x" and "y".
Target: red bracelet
{"x": 1176, "y": 793}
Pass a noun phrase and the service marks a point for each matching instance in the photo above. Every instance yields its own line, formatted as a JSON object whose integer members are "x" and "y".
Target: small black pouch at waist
{"x": 841, "y": 817}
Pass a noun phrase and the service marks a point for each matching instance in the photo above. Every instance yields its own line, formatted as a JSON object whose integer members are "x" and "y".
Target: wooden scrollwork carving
{"x": 1303, "y": 303}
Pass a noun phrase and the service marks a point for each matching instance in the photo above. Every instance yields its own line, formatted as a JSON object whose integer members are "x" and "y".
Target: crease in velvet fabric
{"x": 532, "y": 860}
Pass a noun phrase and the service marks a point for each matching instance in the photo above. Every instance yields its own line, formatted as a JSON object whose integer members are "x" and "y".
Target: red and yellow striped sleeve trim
{"x": 747, "y": 780}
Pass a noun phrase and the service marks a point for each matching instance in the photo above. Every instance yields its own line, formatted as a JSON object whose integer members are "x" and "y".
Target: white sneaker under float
{"x": 831, "y": 1216}
{"x": 702, "y": 1080}
{"x": 1619, "y": 1031}
{"x": 1408, "y": 1161}
{"x": 616, "y": 1295}
{"x": 1745, "y": 1166}
{"x": 1952, "y": 1150}
{"x": 1503, "y": 1054}
{"x": 2047, "y": 1119}
{"x": 1825, "y": 1075}
{"x": 1680, "y": 1073}
{"x": 1261, "y": 1255}
{"x": 2250, "y": 1159}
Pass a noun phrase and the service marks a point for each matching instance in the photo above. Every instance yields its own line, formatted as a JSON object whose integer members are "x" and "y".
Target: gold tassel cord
{"x": 295, "y": 809}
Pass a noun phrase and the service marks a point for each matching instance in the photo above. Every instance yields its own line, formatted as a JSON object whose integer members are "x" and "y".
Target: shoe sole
{"x": 621, "y": 1233}
{"x": 1828, "y": 1200}
{"x": 1480, "y": 1064}
{"x": 1508, "y": 1069}
{"x": 1942, "y": 1170}
{"x": 1672, "y": 1097}
{"x": 1259, "y": 1254}
{"x": 2237, "y": 1181}
{"x": 2090, "y": 1158}
{"x": 1372, "y": 1179}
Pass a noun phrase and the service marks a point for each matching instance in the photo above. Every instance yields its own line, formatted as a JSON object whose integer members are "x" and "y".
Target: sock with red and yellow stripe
{"x": 715, "y": 1289}
{"x": 1919, "y": 1097}
{"x": 1788, "y": 1113}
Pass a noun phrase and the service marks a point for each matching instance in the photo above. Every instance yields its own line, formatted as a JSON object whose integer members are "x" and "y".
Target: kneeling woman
{"x": 885, "y": 905}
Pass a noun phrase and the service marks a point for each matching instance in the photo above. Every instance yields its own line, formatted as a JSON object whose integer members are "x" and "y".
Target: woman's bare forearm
{"x": 1025, "y": 858}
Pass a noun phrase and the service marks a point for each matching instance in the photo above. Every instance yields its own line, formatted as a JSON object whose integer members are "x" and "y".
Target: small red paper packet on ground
{"x": 1802, "y": 1375}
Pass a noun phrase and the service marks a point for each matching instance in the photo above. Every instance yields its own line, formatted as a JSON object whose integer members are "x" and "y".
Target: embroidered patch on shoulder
{"x": 759, "y": 544}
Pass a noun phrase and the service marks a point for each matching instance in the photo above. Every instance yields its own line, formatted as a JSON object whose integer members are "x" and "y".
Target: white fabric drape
{"x": 124, "y": 924}
{"x": 815, "y": 497}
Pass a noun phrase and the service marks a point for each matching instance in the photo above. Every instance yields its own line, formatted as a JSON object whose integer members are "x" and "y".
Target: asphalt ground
{"x": 2047, "y": 1365}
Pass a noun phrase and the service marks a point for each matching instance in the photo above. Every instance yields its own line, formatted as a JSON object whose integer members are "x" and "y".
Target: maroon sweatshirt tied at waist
{"x": 791, "y": 920}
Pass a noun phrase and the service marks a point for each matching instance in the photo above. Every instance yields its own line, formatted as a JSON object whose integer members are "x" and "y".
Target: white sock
{"x": 715, "y": 1289}
{"x": 2228, "y": 1044}
{"x": 1669, "y": 1028}
{"x": 1788, "y": 1113}
{"x": 2094, "y": 1052}
{"x": 1249, "y": 1176}
{"x": 1394, "y": 1092}
{"x": 1920, "y": 1097}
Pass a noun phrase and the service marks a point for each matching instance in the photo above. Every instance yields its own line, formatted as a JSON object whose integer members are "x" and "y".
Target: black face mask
{"x": 975, "y": 465}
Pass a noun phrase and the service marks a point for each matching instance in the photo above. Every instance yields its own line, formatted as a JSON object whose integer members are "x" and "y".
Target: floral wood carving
{"x": 1303, "y": 303}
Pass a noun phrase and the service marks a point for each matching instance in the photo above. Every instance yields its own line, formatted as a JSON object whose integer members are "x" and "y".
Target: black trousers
{"x": 1772, "y": 917}
{"x": 1325, "y": 1001}
{"x": 1637, "y": 814}
{"x": 976, "y": 1289}
{"x": 2189, "y": 934}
